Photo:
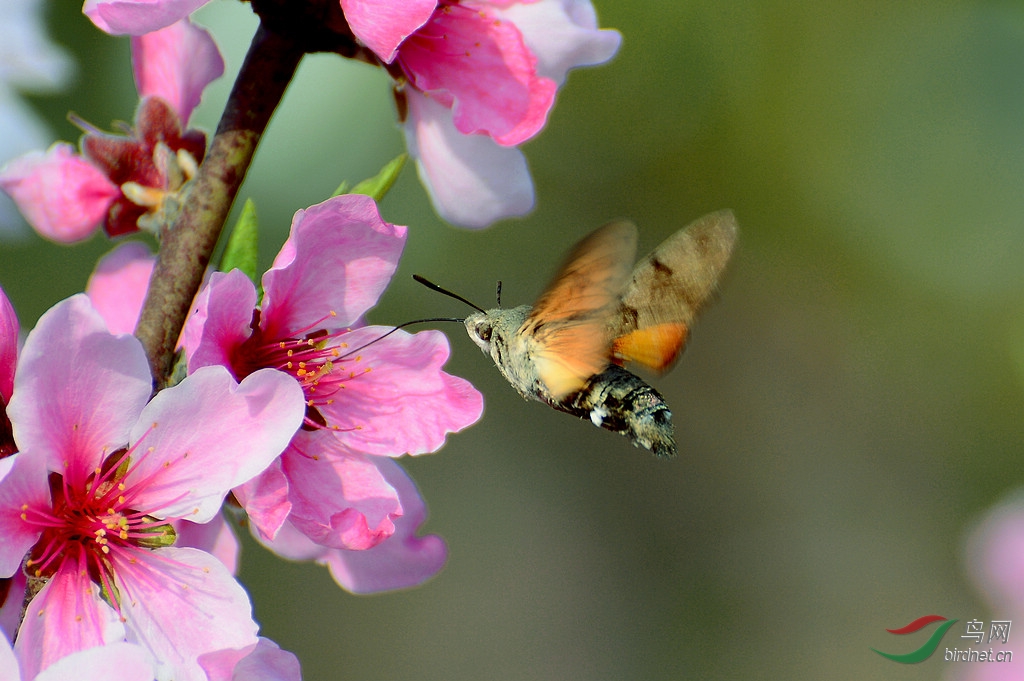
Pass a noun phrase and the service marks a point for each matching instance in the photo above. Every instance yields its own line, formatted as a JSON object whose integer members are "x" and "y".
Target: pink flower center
{"x": 93, "y": 525}
{"x": 319, "y": 360}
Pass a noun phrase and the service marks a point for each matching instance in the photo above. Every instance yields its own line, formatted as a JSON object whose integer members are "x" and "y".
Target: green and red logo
{"x": 925, "y": 651}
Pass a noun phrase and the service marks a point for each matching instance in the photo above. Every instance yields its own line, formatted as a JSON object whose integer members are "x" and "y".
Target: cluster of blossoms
{"x": 476, "y": 78}
{"x": 114, "y": 499}
{"x": 118, "y": 554}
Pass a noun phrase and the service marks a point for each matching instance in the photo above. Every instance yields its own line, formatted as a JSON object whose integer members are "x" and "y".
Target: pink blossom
{"x": 490, "y": 68}
{"x": 102, "y": 475}
{"x": 377, "y": 395}
{"x": 368, "y": 393}
{"x": 125, "y": 182}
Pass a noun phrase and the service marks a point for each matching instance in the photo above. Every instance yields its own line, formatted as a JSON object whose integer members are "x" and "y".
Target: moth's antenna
{"x": 415, "y": 321}
{"x": 497, "y": 294}
{"x": 434, "y": 287}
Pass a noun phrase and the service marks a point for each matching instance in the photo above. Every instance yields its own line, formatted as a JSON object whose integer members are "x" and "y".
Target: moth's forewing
{"x": 668, "y": 289}
{"x": 568, "y": 330}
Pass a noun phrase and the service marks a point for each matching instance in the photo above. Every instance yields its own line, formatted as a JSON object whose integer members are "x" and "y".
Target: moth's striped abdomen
{"x": 623, "y": 403}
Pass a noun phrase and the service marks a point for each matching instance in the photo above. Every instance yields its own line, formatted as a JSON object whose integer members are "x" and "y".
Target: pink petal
{"x": 481, "y": 65}
{"x": 23, "y": 484}
{"x": 10, "y": 611}
{"x": 9, "y": 670}
{"x": 65, "y": 617}
{"x": 181, "y": 603}
{"x": 208, "y": 434}
{"x": 220, "y": 320}
{"x": 562, "y": 34}
{"x": 403, "y": 403}
{"x": 78, "y": 389}
{"x": 382, "y": 25}
{"x": 404, "y": 560}
{"x": 338, "y": 500}
{"x": 472, "y": 181}
{"x": 401, "y": 561}
{"x": 9, "y": 330}
{"x": 135, "y": 17}
{"x": 263, "y": 662}
{"x": 291, "y": 544}
{"x": 118, "y": 285}
{"x": 112, "y": 662}
{"x": 176, "y": 63}
{"x": 62, "y": 196}
{"x": 265, "y": 499}
{"x": 338, "y": 258}
{"x": 215, "y": 537}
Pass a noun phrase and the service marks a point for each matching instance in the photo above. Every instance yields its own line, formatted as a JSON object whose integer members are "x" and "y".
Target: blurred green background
{"x": 846, "y": 411}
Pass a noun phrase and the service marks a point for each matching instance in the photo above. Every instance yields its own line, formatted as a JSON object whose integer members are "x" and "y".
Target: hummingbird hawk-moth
{"x": 598, "y": 313}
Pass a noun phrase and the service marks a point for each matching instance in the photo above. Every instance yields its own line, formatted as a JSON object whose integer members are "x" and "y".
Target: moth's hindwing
{"x": 667, "y": 291}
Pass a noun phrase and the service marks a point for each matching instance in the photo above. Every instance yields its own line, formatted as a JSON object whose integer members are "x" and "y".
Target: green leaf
{"x": 378, "y": 185}
{"x": 243, "y": 249}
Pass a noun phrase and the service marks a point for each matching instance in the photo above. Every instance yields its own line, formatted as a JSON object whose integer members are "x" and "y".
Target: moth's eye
{"x": 483, "y": 332}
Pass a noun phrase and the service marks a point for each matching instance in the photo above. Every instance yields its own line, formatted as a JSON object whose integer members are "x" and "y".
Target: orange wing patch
{"x": 655, "y": 347}
{"x": 567, "y": 360}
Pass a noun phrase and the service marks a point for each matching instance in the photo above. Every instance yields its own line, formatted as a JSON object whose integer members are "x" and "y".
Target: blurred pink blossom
{"x": 995, "y": 563}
